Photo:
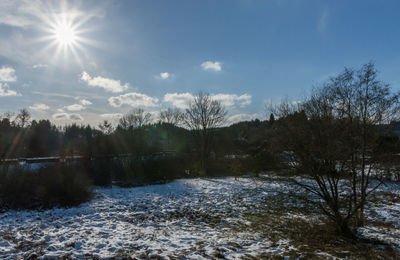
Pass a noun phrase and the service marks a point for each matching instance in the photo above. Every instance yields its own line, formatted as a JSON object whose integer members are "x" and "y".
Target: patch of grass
{"x": 384, "y": 197}
{"x": 312, "y": 239}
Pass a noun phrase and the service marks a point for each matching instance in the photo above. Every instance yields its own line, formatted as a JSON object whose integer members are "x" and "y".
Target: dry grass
{"x": 313, "y": 237}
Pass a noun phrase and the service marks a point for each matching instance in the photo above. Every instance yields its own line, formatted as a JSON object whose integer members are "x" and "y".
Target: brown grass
{"x": 313, "y": 237}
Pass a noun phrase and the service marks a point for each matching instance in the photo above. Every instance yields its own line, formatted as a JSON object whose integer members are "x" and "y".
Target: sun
{"x": 65, "y": 34}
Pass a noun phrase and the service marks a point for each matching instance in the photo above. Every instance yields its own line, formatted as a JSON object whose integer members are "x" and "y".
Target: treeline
{"x": 138, "y": 149}
{"x": 43, "y": 139}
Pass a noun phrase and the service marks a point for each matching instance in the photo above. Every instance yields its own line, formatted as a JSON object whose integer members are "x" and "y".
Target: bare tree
{"x": 365, "y": 103}
{"x": 203, "y": 116}
{"x": 171, "y": 116}
{"x": 332, "y": 137}
{"x": 23, "y": 118}
{"x": 135, "y": 118}
{"x": 106, "y": 127}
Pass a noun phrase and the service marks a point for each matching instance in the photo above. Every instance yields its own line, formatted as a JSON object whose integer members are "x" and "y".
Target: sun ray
{"x": 75, "y": 54}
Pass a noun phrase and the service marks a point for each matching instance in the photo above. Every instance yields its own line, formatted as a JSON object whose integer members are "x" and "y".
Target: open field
{"x": 198, "y": 219}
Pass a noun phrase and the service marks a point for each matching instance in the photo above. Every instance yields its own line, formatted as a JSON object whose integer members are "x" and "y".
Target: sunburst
{"x": 65, "y": 34}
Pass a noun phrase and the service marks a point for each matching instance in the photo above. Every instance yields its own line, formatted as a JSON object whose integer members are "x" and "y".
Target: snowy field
{"x": 191, "y": 218}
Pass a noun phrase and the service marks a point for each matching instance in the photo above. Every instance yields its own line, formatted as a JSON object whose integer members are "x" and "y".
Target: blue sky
{"x": 157, "y": 54}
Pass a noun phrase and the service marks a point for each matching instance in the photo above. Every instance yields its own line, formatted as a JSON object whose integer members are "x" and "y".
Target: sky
{"x": 88, "y": 61}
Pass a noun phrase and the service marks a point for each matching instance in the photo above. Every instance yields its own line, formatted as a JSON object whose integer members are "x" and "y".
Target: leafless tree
{"x": 135, "y": 118}
{"x": 106, "y": 127}
{"x": 23, "y": 118}
{"x": 172, "y": 116}
{"x": 333, "y": 137}
{"x": 203, "y": 116}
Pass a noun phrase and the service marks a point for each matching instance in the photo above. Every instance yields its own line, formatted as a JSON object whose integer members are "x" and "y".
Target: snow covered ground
{"x": 191, "y": 218}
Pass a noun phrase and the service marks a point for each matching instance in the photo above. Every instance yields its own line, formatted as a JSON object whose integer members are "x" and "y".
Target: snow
{"x": 191, "y": 218}
{"x": 388, "y": 213}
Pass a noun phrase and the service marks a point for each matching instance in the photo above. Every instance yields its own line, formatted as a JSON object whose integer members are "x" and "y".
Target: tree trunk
{"x": 343, "y": 228}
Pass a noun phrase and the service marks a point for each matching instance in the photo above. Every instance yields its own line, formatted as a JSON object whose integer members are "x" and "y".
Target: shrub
{"x": 136, "y": 172}
{"x": 52, "y": 186}
{"x": 99, "y": 170}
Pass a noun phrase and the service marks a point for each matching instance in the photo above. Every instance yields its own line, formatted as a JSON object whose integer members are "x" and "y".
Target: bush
{"x": 52, "y": 186}
{"x": 167, "y": 168}
{"x": 99, "y": 170}
{"x": 136, "y": 172}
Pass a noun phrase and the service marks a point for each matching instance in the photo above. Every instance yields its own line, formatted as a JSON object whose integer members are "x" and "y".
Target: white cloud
{"x": 244, "y": 100}
{"x": 6, "y": 92}
{"x": 233, "y": 99}
{"x": 182, "y": 100}
{"x": 75, "y": 107}
{"x": 133, "y": 99}
{"x": 85, "y": 102}
{"x": 39, "y": 107}
{"x": 241, "y": 117}
{"x": 110, "y": 85}
{"x": 38, "y": 66}
{"x": 112, "y": 115}
{"x": 212, "y": 65}
{"x": 67, "y": 116}
{"x": 7, "y": 74}
{"x": 164, "y": 75}
{"x": 179, "y": 100}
